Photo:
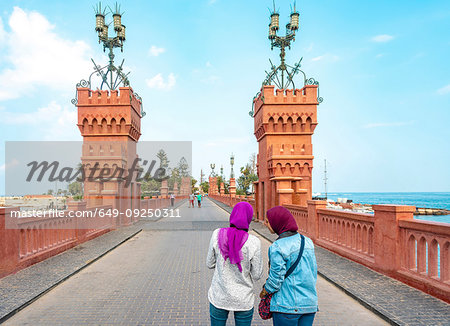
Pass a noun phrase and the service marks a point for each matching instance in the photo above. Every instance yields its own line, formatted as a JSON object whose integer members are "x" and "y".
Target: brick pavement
{"x": 395, "y": 301}
{"x": 23, "y": 287}
{"x": 159, "y": 277}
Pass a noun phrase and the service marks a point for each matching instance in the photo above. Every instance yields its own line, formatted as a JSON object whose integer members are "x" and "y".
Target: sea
{"x": 418, "y": 199}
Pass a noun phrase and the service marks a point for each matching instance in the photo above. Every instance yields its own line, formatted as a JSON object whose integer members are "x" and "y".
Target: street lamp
{"x": 102, "y": 28}
{"x": 283, "y": 41}
{"x": 232, "y": 163}
{"x": 112, "y": 77}
{"x": 282, "y": 76}
{"x": 213, "y": 166}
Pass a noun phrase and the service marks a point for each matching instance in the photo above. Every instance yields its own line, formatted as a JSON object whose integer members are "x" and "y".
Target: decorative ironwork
{"x": 282, "y": 76}
{"x": 252, "y": 112}
{"x": 111, "y": 76}
{"x": 82, "y": 83}
{"x": 213, "y": 166}
{"x": 142, "y": 105}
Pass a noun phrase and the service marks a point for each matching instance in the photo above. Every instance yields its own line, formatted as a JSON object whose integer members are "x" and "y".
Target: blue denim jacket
{"x": 297, "y": 293}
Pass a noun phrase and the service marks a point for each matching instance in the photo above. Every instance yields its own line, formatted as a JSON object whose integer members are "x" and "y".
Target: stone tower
{"x": 110, "y": 123}
{"x": 284, "y": 122}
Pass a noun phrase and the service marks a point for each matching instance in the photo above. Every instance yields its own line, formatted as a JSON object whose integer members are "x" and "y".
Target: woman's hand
{"x": 263, "y": 293}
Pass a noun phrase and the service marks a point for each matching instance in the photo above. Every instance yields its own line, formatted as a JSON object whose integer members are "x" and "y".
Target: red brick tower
{"x": 284, "y": 123}
{"x": 110, "y": 123}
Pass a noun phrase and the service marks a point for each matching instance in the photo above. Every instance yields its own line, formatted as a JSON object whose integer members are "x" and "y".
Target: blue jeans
{"x": 282, "y": 319}
{"x": 219, "y": 316}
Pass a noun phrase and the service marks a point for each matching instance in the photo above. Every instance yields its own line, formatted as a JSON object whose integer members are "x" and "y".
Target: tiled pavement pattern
{"x": 159, "y": 277}
{"x": 24, "y": 286}
{"x": 397, "y": 302}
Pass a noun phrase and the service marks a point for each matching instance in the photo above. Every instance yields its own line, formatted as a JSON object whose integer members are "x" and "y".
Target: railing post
{"x": 313, "y": 218}
{"x": 76, "y": 206}
{"x": 387, "y": 246}
{"x": 9, "y": 241}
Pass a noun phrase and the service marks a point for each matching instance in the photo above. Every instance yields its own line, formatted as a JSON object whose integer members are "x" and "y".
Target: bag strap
{"x": 302, "y": 247}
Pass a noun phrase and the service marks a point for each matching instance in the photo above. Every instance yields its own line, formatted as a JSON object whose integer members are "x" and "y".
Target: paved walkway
{"x": 159, "y": 277}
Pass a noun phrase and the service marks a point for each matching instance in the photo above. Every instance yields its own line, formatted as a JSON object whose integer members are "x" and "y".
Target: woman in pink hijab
{"x": 236, "y": 257}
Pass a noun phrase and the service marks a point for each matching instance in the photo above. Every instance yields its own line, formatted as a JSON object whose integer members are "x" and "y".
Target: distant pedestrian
{"x": 172, "y": 199}
{"x": 191, "y": 200}
{"x": 236, "y": 257}
{"x": 199, "y": 200}
{"x": 293, "y": 290}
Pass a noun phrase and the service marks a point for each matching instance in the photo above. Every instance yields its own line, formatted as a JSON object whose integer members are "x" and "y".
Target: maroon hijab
{"x": 281, "y": 220}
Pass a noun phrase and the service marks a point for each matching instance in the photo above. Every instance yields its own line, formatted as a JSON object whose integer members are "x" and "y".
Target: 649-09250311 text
{"x": 159, "y": 212}
{"x": 100, "y": 212}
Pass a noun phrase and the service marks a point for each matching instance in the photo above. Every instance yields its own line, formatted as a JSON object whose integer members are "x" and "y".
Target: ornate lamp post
{"x": 111, "y": 76}
{"x": 232, "y": 163}
{"x": 213, "y": 166}
{"x": 110, "y": 42}
{"x": 283, "y": 75}
{"x": 283, "y": 41}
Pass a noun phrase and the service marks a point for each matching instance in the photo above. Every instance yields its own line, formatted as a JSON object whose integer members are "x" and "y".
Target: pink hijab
{"x": 233, "y": 238}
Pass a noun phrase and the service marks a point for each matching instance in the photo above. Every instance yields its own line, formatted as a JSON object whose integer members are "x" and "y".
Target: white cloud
{"x": 34, "y": 55}
{"x": 317, "y": 58}
{"x": 388, "y": 124}
{"x": 379, "y": 55}
{"x": 444, "y": 90}
{"x": 52, "y": 122}
{"x": 326, "y": 57}
{"x": 159, "y": 83}
{"x": 2, "y": 31}
{"x": 382, "y": 38}
{"x": 211, "y": 79}
{"x": 155, "y": 51}
{"x": 12, "y": 163}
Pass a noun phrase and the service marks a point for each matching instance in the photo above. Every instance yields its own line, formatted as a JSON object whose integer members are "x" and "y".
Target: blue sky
{"x": 382, "y": 66}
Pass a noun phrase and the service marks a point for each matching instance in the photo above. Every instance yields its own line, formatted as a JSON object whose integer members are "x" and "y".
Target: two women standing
{"x": 236, "y": 257}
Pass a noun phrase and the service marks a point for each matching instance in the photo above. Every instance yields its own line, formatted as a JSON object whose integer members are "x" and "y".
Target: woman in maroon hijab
{"x": 293, "y": 272}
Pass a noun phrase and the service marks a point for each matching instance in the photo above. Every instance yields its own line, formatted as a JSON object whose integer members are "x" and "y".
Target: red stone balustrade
{"x": 390, "y": 241}
{"x": 232, "y": 200}
{"x": 349, "y": 234}
{"x": 426, "y": 258}
{"x": 26, "y": 241}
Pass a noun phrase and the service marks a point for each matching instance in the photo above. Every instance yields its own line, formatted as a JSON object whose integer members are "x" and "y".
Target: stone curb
{"x": 11, "y": 313}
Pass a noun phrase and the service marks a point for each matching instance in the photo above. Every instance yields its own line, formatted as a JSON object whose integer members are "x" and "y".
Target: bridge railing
{"x": 426, "y": 252}
{"x": 390, "y": 241}
{"x": 232, "y": 200}
{"x": 26, "y": 241}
